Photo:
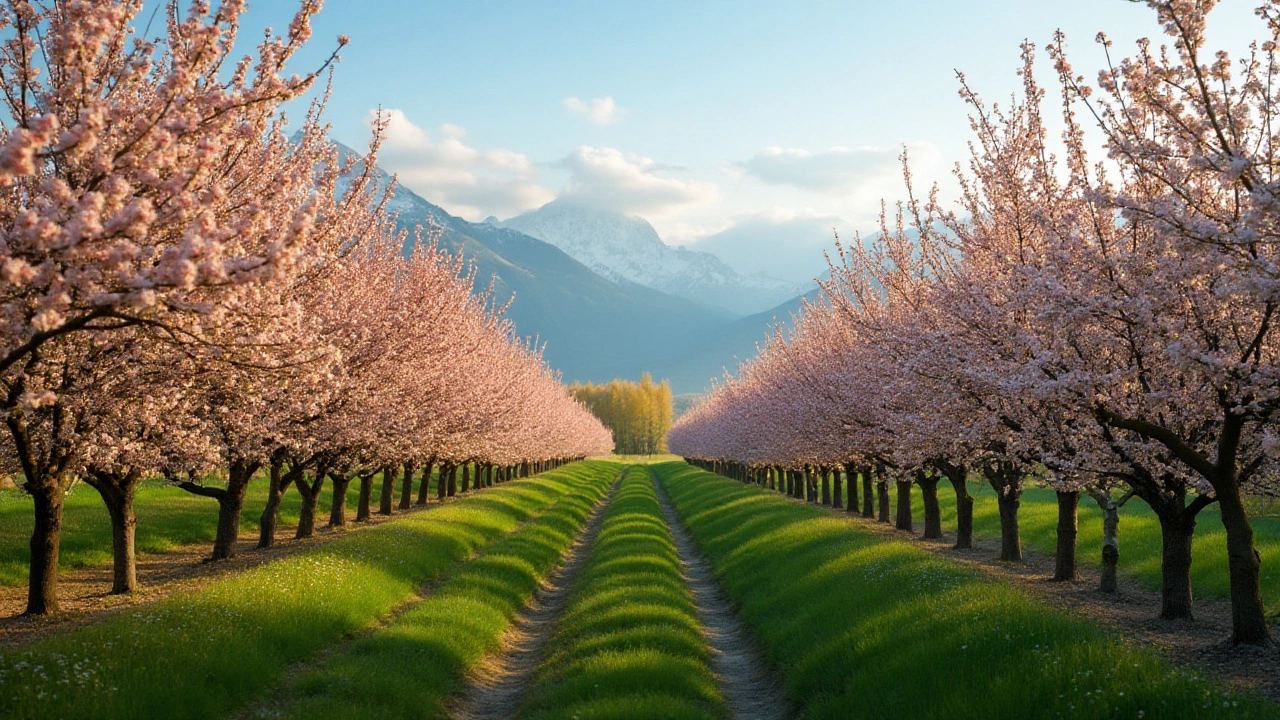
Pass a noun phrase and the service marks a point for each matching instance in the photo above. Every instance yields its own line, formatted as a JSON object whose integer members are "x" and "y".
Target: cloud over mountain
{"x": 608, "y": 179}
{"x": 838, "y": 171}
{"x": 786, "y": 244}
{"x": 470, "y": 182}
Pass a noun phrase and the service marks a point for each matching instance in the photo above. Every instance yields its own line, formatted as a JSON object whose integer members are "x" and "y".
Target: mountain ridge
{"x": 623, "y": 247}
{"x": 590, "y": 327}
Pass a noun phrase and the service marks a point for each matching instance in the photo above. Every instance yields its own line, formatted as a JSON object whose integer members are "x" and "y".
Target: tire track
{"x": 496, "y": 688}
{"x": 751, "y": 687}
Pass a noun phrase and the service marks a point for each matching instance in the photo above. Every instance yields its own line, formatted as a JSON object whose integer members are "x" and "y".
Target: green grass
{"x": 411, "y": 667}
{"x": 629, "y": 643}
{"x": 870, "y": 627}
{"x": 168, "y": 517}
{"x": 1140, "y": 544}
{"x": 204, "y": 653}
{"x": 643, "y": 459}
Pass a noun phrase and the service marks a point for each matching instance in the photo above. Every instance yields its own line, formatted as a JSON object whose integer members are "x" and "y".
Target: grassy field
{"x": 644, "y": 459}
{"x": 205, "y": 653}
{"x": 629, "y": 644}
{"x": 869, "y": 627}
{"x": 411, "y": 667}
{"x": 167, "y": 517}
{"x": 1140, "y": 544}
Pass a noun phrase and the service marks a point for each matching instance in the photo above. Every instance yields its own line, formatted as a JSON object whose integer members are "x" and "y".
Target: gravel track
{"x": 497, "y": 687}
{"x": 751, "y": 687}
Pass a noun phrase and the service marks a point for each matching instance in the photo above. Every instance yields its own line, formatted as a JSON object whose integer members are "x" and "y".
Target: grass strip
{"x": 416, "y": 663}
{"x": 168, "y": 517}
{"x": 871, "y": 627}
{"x": 203, "y": 653}
{"x": 629, "y": 644}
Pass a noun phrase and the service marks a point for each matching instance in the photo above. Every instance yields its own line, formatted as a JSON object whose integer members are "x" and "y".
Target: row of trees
{"x": 184, "y": 287}
{"x": 1105, "y": 326}
{"x": 639, "y": 414}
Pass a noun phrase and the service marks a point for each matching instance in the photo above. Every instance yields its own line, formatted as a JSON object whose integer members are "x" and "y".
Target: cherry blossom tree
{"x": 145, "y": 184}
{"x": 1188, "y": 292}
{"x": 1083, "y": 323}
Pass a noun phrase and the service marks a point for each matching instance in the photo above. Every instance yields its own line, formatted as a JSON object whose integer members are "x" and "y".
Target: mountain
{"x": 625, "y": 248}
{"x": 591, "y": 327}
{"x": 732, "y": 343}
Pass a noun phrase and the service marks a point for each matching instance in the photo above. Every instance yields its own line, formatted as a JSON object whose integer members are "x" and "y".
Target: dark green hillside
{"x": 735, "y": 342}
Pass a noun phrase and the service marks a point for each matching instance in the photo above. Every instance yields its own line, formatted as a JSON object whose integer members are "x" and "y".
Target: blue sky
{"x": 747, "y": 127}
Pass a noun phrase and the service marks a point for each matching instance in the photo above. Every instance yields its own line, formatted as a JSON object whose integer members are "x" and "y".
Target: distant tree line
{"x": 639, "y": 414}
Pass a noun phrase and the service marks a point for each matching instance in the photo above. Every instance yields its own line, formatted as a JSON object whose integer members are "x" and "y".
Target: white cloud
{"x": 450, "y": 130}
{"x": 609, "y": 179}
{"x": 598, "y": 111}
{"x": 783, "y": 243}
{"x": 463, "y": 180}
{"x": 838, "y": 171}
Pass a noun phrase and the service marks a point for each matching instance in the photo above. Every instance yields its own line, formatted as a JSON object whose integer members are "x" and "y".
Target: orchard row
{"x": 1101, "y": 325}
{"x": 187, "y": 286}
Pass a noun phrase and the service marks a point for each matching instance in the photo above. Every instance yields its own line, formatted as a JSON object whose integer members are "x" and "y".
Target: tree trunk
{"x": 442, "y": 481}
{"x": 366, "y": 497}
{"x": 46, "y": 538}
{"x": 837, "y": 490}
{"x": 466, "y": 478}
{"x": 406, "y": 487}
{"x": 851, "y": 487}
{"x": 932, "y": 512}
{"x": 882, "y": 495}
{"x": 1010, "y": 537}
{"x": 310, "y": 499}
{"x": 964, "y": 510}
{"x": 1176, "y": 532}
{"x": 825, "y": 474}
{"x": 118, "y": 490}
{"x": 1110, "y": 539}
{"x": 904, "y": 506}
{"x": 338, "y": 509}
{"x": 1006, "y": 480}
{"x": 280, "y": 482}
{"x": 1248, "y": 616}
{"x": 453, "y": 480}
{"x": 1064, "y": 564}
{"x": 388, "y": 490}
{"x": 868, "y": 494}
{"x": 425, "y": 486}
{"x": 124, "y": 525}
{"x": 230, "y": 504}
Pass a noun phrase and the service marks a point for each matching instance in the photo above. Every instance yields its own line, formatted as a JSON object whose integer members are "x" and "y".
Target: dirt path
{"x": 751, "y": 688}
{"x": 496, "y": 688}
{"x": 85, "y": 593}
{"x": 1200, "y": 646}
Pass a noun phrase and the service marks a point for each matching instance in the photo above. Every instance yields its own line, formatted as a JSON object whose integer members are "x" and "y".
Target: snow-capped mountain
{"x": 623, "y": 248}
